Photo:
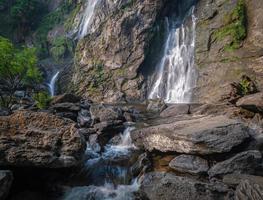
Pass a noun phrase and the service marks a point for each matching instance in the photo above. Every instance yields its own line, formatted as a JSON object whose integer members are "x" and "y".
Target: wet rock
{"x": 65, "y": 98}
{"x": 253, "y": 102}
{"x": 247, "y": 162}
{"x": 157, "y": 105}
{"x": 177, "y": 109}
{"x": 249, "y": 190}
{"x": 84, "y": 118}
{"x": 6, "y": 179}
{"x": 204, "y": 135}
{"x": 39, "y": 139}
{"x": 167, "y": 186}
{"x": 142, "y": 164}
{"x": 189, "y": 164}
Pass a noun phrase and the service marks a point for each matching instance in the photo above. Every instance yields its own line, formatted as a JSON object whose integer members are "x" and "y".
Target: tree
{"x": 18, "y": 70}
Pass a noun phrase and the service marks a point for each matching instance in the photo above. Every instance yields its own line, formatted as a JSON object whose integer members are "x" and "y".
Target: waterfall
{"x": 176, "y": 74}
{"x": 52, "y": 84}
{"x": 87, "y": 18}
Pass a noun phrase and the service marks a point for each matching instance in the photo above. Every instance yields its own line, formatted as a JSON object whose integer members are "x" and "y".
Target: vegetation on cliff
{"x": 235, "y": 27}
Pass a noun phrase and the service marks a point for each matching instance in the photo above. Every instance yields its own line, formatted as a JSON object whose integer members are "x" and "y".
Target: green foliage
{"x": 42, "y": 99}
{"x": 48, "y": 22}
{"x": 245, "y": 86}
{"x": 235, "y": 27}
{"x": 60, "y": 46}
{"x": 18, "y": 69}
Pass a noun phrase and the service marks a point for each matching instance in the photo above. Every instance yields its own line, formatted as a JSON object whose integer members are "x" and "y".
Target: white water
{"x": 105, "y": 161}
{"x": 52, "y": 84}
{"x": 176, "y": 75}
{"x": 87, "y": 18}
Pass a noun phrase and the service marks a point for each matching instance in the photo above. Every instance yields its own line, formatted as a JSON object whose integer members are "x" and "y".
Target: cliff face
{"x": 107, "y": 60}
{"x": 229, "y": 43}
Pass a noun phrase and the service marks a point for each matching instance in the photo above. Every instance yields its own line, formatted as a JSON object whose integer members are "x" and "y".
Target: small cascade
{"x": 52, "y": 84}
{"x": 87, "y": 18}
{"x": 176, "y": 74}
{"x": 109, "y": 170}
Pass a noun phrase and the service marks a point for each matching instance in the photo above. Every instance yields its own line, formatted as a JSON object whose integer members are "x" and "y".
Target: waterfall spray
{"x": 176, "y": 74}
{"x": 52, "y": 84}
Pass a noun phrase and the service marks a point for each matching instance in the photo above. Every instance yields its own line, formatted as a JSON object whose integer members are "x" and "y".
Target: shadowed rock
{"x": 190, "y": 164}
{"x": 6, "y": 179}
{"x": 246, "y": 162}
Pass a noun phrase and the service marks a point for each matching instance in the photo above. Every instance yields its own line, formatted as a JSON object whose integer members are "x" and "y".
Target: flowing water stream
{"x": 108, "y": 170}
{"x": 87, "y": 18}
{"x": 52, "y": 84}
{"x": 175, "y": 74}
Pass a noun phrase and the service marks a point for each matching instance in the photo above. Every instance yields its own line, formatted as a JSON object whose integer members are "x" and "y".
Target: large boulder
{"x": 247, "y": 162}
{"x": 39, "y": 139}
{"x": 6, "y": 179}
{"x": 189, "y": 164}
{"x": 167, "y": 186}
{"x": 253, "y": 102}
{"x": 204, "y": 135}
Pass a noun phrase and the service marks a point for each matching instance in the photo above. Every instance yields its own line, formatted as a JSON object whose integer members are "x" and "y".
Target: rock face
{"x": 108, "y": 60}
{"x": 246, "y": 162}
{"x": 222, "y": 57}
{"x": 205, "y": 135}
{"x": 167, "y": 186}
{"x": 39, "y": 139}
{"x": 253, "y": 102}
{"x": 189, "y": 164}
{"x": 6, "y": 179}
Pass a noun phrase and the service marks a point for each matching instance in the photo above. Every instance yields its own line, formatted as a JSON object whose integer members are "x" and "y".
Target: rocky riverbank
{"x": 187, "y": 151}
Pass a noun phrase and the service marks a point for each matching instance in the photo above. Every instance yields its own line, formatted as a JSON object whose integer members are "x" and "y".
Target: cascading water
{"x": 176, "y": 74}
{"x": 108, "y": 170}
{"x": 52, "y": 84}
{"x": 87, "y": 18}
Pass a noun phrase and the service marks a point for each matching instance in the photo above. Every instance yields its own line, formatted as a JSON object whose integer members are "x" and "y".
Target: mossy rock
{"x": 234, "y": 27}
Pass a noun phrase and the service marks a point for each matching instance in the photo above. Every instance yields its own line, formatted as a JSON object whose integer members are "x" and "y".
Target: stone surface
{"x": 235, "y": 179}
{"x": 108, "y": 60}
{"x": 189, "y": 164}
{"x": 253, "y": 102}
{"x": 249, "y": 190}
{"x": 219, "y": 67}
{"x": 204, "y": 135}
{"x": 6, "y": 179}
{"x": 167, "y": 186}
{"x": 157, "y": 105}
{"x": 247, "y": 162}
{"x": 39, "y": 139}
{"x": 65, "y": 98}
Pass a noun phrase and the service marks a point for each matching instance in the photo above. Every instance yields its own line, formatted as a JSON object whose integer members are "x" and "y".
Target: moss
{"x": 48, "y": 22}
{"x": 70, "y": 20}
{"x": 235, "y": 27}
{"x": 60, "y": 46}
